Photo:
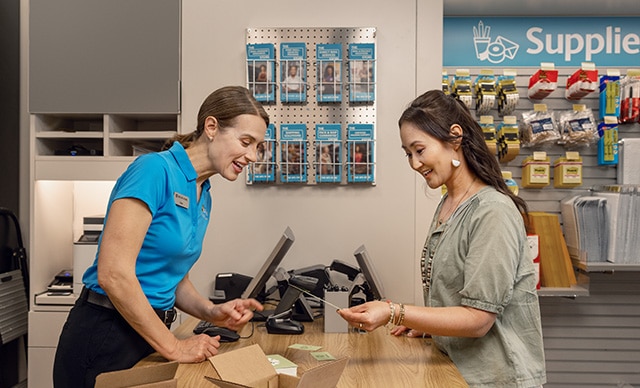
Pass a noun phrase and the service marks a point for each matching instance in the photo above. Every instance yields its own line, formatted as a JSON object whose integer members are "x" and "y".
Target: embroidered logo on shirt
{"x": 181, "y": 200}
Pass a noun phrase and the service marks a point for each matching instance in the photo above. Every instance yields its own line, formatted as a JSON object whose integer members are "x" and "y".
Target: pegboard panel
{"x": 310, "y": 111}
{"x": 548, "y": 199}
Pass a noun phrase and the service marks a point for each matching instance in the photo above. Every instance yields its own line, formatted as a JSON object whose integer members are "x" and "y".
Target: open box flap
{"x": 245, "y": 366}
{"x": 138, "y": 376}
{"x": 323, "y": 376}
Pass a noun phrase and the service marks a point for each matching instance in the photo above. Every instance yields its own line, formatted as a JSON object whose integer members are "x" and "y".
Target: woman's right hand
{"x": 196, "y": 348}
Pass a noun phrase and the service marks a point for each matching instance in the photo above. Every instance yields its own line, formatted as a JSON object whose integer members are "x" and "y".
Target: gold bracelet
{"x": 392, "y": 314}
{"x": 401, "y": 318}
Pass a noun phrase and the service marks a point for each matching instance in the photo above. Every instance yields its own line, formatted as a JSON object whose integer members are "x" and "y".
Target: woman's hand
{"x": 400, "y": 330}
{"x": 368, "y": 316}
{"x": 234, "y": 314}
{"x": 196, "y": 348}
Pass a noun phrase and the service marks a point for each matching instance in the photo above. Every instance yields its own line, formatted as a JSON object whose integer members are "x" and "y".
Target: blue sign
{"x": 528, "y": 41}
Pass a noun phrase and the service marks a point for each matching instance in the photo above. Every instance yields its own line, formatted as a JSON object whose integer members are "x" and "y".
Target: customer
{"x": 477, "y": 273}
{"x": 155, "y": 224}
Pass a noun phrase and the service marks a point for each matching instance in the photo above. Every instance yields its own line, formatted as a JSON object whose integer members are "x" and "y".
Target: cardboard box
{"x": 249, "y": 367}
{"x": 157, "y": 376}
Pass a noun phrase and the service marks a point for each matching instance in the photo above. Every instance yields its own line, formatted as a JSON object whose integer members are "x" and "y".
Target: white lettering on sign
{"x": 611, "y": 42}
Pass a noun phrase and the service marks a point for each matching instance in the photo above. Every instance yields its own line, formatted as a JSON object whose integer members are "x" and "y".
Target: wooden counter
{"x": 376, "y": 359}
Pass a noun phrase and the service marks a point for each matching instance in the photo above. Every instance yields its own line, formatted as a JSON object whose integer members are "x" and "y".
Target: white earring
{"x": 455, "y": 162}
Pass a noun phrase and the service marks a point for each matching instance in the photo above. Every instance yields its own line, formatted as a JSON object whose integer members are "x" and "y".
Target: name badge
{"x": 181, "y": 200}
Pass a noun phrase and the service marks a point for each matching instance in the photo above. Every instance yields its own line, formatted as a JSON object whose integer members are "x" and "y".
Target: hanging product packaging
{"x": 610, "y": 94}
{"x": 582, "y": 82}
{"x": 507, "y": 92}
{"x": 608, "y": 142}
{"x": 507, "y": 139}
{"x": 489, "y": 131}
{"x": 485, "y": 88}
{"x": 461, "y": 86}
{"x": 578, "y": 127}
{"x": 630, "y": 97}
{"x": 543, "y": 82}
{"x": 538, "y": 127}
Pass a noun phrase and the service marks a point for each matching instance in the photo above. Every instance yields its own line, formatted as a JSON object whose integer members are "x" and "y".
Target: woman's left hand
{"x": 234, "y": 314}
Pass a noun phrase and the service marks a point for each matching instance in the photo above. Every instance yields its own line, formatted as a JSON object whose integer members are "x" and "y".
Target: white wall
{"x": 390, "y": 218}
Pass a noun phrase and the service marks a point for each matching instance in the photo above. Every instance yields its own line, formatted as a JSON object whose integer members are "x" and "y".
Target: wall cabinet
{"x": 113, "y": 56}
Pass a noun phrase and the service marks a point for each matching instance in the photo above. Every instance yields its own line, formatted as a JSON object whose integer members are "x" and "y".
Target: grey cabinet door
{"x": 104, "y": 56}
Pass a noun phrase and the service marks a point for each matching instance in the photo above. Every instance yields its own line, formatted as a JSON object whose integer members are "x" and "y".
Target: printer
{"x": 85, "y": 249}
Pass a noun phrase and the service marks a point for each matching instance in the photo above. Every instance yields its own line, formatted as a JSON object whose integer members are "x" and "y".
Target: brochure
{"x": 329, "y": 72}
{"x": 362, "y": 72}
{"x": 328, "y": 155}
{"x": 361, "y": 163}
{"x": 293, "y": 72}
{"x": 293, "y": 153}
{"x": 263, "y": 170}
{"x": 261, "y": 71}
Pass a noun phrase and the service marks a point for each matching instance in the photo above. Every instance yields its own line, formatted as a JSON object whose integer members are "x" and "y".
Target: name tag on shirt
{"x": 181, "y": 200}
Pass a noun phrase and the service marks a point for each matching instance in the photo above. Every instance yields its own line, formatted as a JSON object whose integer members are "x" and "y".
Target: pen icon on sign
{"x": 495, "y": 52}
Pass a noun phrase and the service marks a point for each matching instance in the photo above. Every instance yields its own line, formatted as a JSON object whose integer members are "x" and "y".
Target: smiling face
{"x": 235, "y": 146}
{"x": 427, "y": 155}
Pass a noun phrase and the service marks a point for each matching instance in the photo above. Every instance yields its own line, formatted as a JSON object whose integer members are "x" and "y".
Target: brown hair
{"x": 435, "y": 112}
{"x": 225, "y": 104}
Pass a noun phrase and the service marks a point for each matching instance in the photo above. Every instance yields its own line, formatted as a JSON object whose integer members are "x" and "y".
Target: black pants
{"x": 95, "y": 340}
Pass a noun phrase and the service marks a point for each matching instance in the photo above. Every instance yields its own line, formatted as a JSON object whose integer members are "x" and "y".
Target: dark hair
{"x": 435, "y": 112}
{"x": 225, "y": 104}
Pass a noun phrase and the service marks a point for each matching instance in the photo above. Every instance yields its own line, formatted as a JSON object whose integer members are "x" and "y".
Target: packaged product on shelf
{"x": 362, "y": 82}
{"x": 582, "y": 82}
{"x": 543, "y": 82}
{"x": 261, "y": 59}
{"x": 507, "y": 92}
{"x": 536, "y": 171}
{"x": 630, "y": 97}
{"x": 445, "y": 82}
{"x": 610, "y": 94}
{"x": 328, "y": 153}
{"x": 485, "y": 88}
{"x": 538, "y": 127}
{"x": 461, "y": 86}
{"x": 567, "y": 171}
{"x": 489, "y": 131}
{"x": 360, "y": 149}
{"x": 578, "y": 127}
{"x": 329, "y": 72}
{"x": 293, "y": 153}
{"x": 608, "y": 141}
{"x": 507, "y": 134}
{"x": 293, "y": 73}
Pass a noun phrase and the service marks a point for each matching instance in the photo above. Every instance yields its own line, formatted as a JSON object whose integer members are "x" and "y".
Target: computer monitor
{"x": 375, "y": 290}
{"x": 258, "y": 283}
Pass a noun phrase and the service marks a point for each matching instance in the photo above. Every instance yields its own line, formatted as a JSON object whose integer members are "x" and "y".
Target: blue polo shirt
{"x": 166, "y": 182}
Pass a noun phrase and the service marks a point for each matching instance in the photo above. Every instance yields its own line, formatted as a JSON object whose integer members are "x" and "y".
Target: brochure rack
{"x": 346, "y": 99}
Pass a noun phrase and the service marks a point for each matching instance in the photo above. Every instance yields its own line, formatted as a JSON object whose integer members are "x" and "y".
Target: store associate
{"x": 154, "y": 228}
{"x": 481, "y": 305}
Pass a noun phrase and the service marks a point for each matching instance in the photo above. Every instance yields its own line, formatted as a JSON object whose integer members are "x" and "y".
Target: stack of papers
{"x": 604, "y": 226}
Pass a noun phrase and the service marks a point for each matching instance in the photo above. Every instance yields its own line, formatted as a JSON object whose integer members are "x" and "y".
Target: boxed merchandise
{"x": 582, "y": 82}
{"x": 160, "y": 376}
{"x": 250, "y": 367}
{"x": 535, "y": 170}
{"x": 543, "y": 82}
{"x": 567, "y": 171}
